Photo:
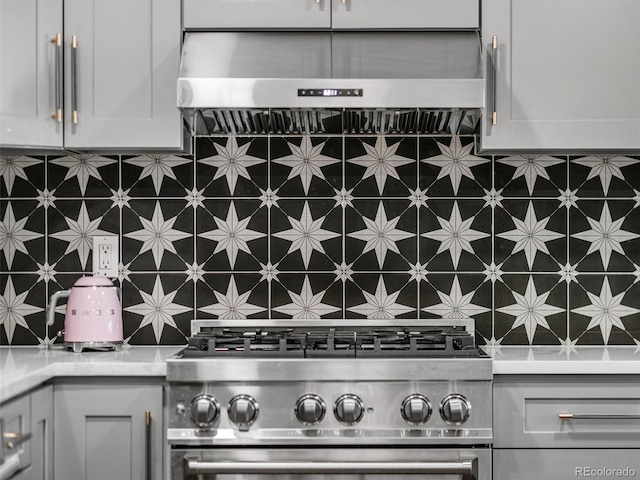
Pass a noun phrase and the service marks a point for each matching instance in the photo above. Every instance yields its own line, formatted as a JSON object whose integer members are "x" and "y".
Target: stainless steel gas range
{"x": 349, "y": 400}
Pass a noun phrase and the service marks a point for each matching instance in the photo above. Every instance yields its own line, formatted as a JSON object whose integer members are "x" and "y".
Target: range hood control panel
{"x": 330, "y": 92}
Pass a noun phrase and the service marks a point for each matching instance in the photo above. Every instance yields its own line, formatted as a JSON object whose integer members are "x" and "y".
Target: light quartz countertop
{"x": 552, "y": 360}
{"x": 24, "y": 368}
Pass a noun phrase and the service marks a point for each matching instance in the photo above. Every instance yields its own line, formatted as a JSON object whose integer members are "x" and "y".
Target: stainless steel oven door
{"x": 349, "y": 463}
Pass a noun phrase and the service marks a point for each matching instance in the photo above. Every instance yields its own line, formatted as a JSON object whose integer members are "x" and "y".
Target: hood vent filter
{"x": 210, "y": 122}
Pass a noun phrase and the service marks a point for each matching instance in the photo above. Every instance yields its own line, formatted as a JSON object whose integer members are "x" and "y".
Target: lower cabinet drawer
{"x": 565, "y": 464}
{"x": 567, "y": 412}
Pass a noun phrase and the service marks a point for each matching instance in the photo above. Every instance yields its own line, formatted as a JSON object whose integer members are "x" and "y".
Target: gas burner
{"x": 333, "y": 341}
{"x": 331, "y": 344}
{"x": 426, "y": 343}
{"x": 258, "y": 343}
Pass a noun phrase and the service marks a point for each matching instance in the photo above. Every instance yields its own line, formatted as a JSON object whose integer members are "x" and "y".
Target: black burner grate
{"x": 332, "y": 343}
{"x": 286, "y": 344}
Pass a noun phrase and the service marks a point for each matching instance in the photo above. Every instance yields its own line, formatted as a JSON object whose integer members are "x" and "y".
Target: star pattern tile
{"x": 157, "y": 309}
{"x": 79, "y": 235}
{"x": 531, "y": 310}
{"x": 606, "y": 236}
{"x": 530, "y": 235}
{"x": 306, "y": 305}
{"x": 14, "y": 308}
{"x": 232, "y": 235}
{"x": 232, "y": 162}
{"x": 381, "y": 161}
{"x": 606, "y": 310}
{"x": 455, "y": 304}
{"x": 157, "y": 235}
{"x": 232, "y": 305}
{"x": 82, "y": 168}
{"x": 157, "y": 167}
{"x": 306, "y": 235}
{"x": 381, "y": 235}
{"x": 537, "y": 249}
{"x": 306, "y": 161}
{"x": 532, "y": 168}
{"x": 455, "y": 162}
{"x": 13, "y": 167}
{"x": 14, "y": 235}
{"x": 380, "y": 305}
{"x": 605, "y": 168}
{"x": 455, "y": 235}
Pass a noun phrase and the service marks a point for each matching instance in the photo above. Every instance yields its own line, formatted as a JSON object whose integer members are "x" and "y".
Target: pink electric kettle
{"x": 93, "y": 318}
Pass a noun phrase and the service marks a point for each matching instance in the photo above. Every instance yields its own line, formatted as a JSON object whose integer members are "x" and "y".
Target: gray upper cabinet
{"x": 124, "y": 75}
{"x": 29, "y": 60}
{"x": 405, "y": 14}
{"x": 117, "y": 74}
{"x": 325, "y": 14}
{"x": 241, "y": 14}
{"x": 567, "y": 74}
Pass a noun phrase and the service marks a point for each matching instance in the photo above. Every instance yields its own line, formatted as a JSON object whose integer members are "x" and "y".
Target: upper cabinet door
{"x": 28, "y": 75}
{"x": 240, "y": 14}
{"x": 567, "y": 74}
{"x": 405, "y": 14}
{"x": 121, "y": 67}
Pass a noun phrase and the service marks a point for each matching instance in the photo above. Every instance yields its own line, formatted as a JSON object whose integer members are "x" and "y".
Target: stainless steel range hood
{"x": 331, "y": 82}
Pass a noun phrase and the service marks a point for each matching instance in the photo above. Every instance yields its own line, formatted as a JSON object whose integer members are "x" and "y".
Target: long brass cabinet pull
{"x": 147, "y": 431}
{"x": 13, "y": 440}
{"x": 494, "y": 73}
{"x": 57, "y": 41}
{"x": 603, "y": 416}
{"x": 74, "y": 79}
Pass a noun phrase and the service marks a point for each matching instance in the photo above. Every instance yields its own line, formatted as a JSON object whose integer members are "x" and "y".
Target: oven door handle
{"x": 468, "y": 469}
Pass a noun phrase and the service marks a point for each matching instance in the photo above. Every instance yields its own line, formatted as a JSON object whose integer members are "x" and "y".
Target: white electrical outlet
{"x": 105, "y": 256}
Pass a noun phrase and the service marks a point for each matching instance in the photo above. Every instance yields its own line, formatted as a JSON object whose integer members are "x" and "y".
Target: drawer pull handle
{"x": 13, "y": 440}
{"x": 57, "y": 41}
{"x": 74, "y": 79}
{"x": 580, "y": 416}
{"x": 494, "y": 84}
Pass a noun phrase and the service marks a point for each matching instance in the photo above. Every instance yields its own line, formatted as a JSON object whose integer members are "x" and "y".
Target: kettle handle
{"x": 53, "y": 300}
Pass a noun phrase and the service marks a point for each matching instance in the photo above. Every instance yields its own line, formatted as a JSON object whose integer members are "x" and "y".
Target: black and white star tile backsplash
{"x": 538, "y": 249}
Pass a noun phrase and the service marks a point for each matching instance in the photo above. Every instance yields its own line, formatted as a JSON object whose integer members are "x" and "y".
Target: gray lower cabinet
{"x": 565, "y": 464}
{"x": 108, "y": 429}
{"x": 42, "y": 428}
{"x": 109, "y": 83}
{"x": 562, "y": 427}
{"x": 28, "y": 414}
{"x": 566, "y": 74}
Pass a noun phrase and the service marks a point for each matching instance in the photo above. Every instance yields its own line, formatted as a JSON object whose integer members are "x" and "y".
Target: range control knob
{"x": 310, "y": 409}
{"x": 204, "y": 410}
{"x": 243, "y": 411}
{"x": 349, "y": 409}
{"x": 455, "y": 409}
{"x": 416, "y": 409}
